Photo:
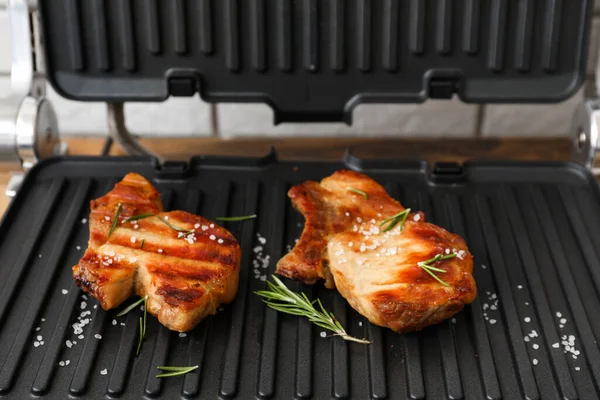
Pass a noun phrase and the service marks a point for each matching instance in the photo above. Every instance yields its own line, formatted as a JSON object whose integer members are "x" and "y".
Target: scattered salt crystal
{"x": 417, "y": 217}
{"x": 65, "y": 291}
{"x": 160, "y": 250}
{"x": 556, "y": 345}
{"x": 39, "y": 337}
{"x": 526, "y": 338}
{"x": 114, "y": 321}
{"x": 166, "y": 217}
{"x": 83, "y": 305}
{"x": 39, "y": 256}
{"x": 526, "y": 303}
{"x": 483, "y": 266}
{"x": 212, "y": 237}
{"x": 220, "y": 241}
{"x": 69, "y": 343}
{"x": 37, "y": 329}
{"x": 535, "y": 361}
{"x": 212, "y": 225}
{"x": 122, "y": 323}
{"x": 182, "y": 335}
{"x": 558, "y": 314}
{"x": 323, "y": 334}
{"x": 447, "y": 251}
{"x": 454, "y": 320}
{"x": 80, "y": 337}
{"x": 520, "y": 287}
{"x": 136, "y": 226}
{"x": 78, "y": 247}
{"x": 263, "y": 278}
{"x": 196, "y": 226}
{"x": 536, "y": 346}
{"x": 563, "y": 321}
{"x": 61, "y": 363}
{"x": 36, "y": 344}
{"x": 262, "y": 240}
{"x": 104, "y": 371}
{"x": 84, "y": 220}
{"x": 577, "y": 368}
{"x": 360, "y": 323}
{"x": 98, "y": 336}
{"x": 67, "y": 362}
{"x": 527, "y": 319}
{"x": 133, "y": 239}
{"x": 492, "y": 321}
{"x": 106, "y": 217}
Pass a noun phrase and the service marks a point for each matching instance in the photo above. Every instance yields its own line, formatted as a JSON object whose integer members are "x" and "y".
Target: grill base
{"x": 530, "y": 227}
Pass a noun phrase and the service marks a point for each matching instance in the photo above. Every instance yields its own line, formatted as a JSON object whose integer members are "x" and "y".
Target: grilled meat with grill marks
{"x": 381, "y": 274}
{"x": 185, "y": 264}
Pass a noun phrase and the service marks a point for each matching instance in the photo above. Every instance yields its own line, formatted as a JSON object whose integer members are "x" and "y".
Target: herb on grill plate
{"x": 427, "y": 266}
{"x": 143, "y": 319}
{"x": 138, "y": 217}
{"x": 114, "y": 224}
{"x": 142, "y": 245}
{"x": 394, "y": 219}
{"x": 174, "y": 371}
{"x": 236, "y": 219}
{"x": 357, "y": 191}
{"x": 182, "y": 232}
{"x": 280, "y": 298}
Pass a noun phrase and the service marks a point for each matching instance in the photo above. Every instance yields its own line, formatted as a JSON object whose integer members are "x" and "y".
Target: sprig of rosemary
{"x": 236, "y": 219}
{"x": 182, "y": 232}
{"x": 430, "y": 269}
{"x": 175, "y": 371}
{"x": 280, "y": 298}
{"x": 114, "y": 224}
{"x": 394, "y": 219}
{"x": 142, "y": 245}
{"x": 141, "y": 338}
{"x": 357, "y": 191}
{"x": 138, "y": 217}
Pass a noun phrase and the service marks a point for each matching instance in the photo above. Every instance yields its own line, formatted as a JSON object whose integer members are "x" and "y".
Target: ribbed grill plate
{"x": 533, "y": 229}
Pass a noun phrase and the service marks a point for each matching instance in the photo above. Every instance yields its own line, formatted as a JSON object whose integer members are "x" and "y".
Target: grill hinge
{"x": 28, "y": 124}
{"x": 586, "y": 135}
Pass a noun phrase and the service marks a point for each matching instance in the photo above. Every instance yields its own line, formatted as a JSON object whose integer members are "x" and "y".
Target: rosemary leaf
{"x": 175, "y": 371}
{"x": 142, "y": 245}
{"x": 236, "y": 219}
{"x": 114, "y": 224}
{"x": 357, "y": 191}
{"x": 131, "y": 307}
{"x": 145, "y": 313}
{"x": 185, "y": 232}
{"x": 138, "y": 217}
{"x": 281, "y": 298}
{"x": 141, "y": 338}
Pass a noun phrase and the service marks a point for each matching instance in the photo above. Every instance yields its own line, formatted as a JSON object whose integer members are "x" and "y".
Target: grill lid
{"x": 315, "y": 60}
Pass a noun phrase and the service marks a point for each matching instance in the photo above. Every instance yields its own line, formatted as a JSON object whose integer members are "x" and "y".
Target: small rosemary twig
{"x": 394, "y": 219}
{"x": 430, "y": 269}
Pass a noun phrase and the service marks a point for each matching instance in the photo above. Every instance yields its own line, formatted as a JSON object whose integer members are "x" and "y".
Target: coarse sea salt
{"x": 323, "y": 334}
{"x": 64, "y": 291}
{"x": 105, "y": 371}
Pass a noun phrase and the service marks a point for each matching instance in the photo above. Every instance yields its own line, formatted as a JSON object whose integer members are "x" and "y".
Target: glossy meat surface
{"x": 186, "y": 275}
{"x": 378, "y": 272}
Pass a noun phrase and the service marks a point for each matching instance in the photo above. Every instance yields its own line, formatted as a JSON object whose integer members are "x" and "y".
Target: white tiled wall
{"x": 191, "y": 116}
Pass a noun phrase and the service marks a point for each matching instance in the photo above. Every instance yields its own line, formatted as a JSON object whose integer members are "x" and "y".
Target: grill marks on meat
{"x": 377, "y": 272}
{"x": 185, "y": 278}
{"x": 330, "y": 208}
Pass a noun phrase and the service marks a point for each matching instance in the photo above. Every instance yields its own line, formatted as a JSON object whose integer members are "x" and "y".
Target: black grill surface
{"x": 532, "y": 332}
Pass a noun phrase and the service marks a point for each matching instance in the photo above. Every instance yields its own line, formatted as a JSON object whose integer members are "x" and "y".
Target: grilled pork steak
{"x": 185, "y": 264}
{"x": 383, "y": 275}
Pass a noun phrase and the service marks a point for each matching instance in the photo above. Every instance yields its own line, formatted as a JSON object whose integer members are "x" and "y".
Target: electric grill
{"x": 533, "y": 227}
